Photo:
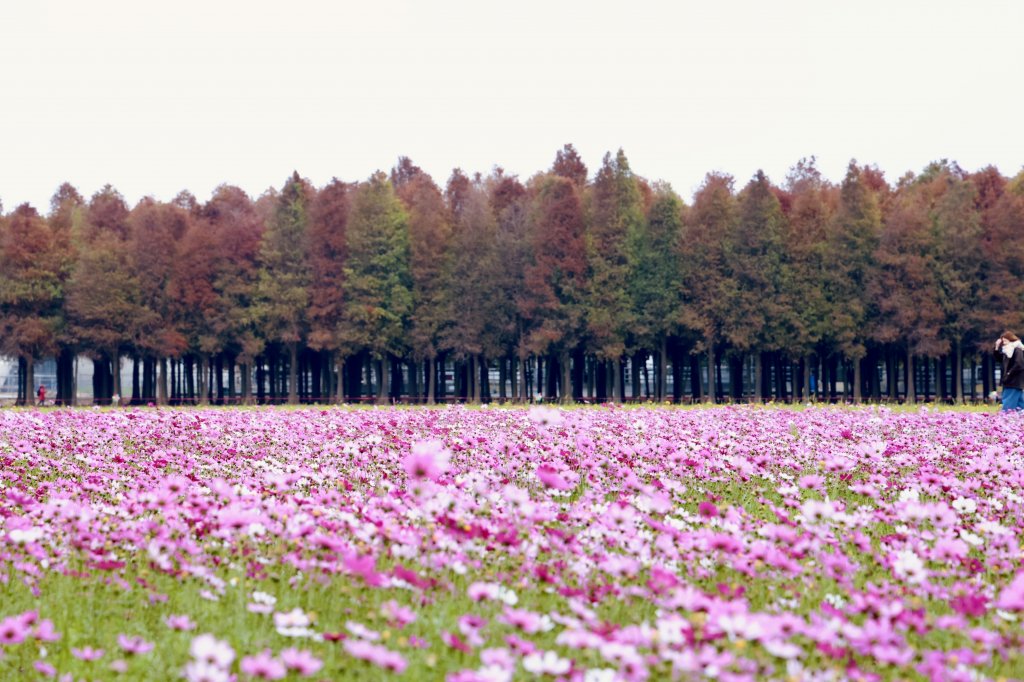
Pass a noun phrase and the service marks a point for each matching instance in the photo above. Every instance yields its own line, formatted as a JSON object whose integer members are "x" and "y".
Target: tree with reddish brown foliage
{"x": 555, "y": 274}
{"x": 430, "y": 232}
{"x": 32, "y": 274}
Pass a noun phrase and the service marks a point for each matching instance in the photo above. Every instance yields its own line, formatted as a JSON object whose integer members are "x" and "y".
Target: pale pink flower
{"x": 44, "y": 668}
{"x": 45, "y": 632}
{"x": 87, "y": 653}
{"x": 301, "y": 661}
{"x": 263, "y": 666}
{"x": 202, "y": 671}
{"x": 180, "y": 623}
{"x": 427, "y": 460}
{"x": 399, "y": 616}
{"x": 1012, "y": 596}
{"x": 209, "y": 649}
{"x": 134, "y": 645}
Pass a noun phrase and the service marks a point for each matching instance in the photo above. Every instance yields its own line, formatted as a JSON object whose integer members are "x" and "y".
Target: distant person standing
{"x": 1011, "y": 351}
{"x": 41, "y": 394}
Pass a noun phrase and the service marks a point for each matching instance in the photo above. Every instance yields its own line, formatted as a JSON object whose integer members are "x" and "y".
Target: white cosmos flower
{"x": 546, "y": 663}
{"x": 970, "y": 538}
{"x": 23, "y": 537}
{"x": 909, "y": 566}
{"x": 965, "y": 505}
{"x": 208, "y": 649}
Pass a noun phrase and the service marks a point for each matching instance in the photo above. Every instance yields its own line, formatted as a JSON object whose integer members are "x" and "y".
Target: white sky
{"x": 156, "y": 97}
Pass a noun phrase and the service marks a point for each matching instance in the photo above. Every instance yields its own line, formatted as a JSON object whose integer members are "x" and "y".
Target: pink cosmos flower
{"x": 527, "y": 621}
{"x": 301, "y": 661}
{"x": 480, "y": 591}
{"x": 397, "y": 615}
{"x": 552, "y": 479}
{"x": 376, "y": 654}
{"x": 134, "y": 645}
{"x": 87, "y": 653}
{"x": 44, "y": 668}
{"x": 707, "y": 509}
{"x": 180, "y": 623}
{"x": 427, "y": 460}
{"x": 13, "y": 630}
{"x": 44, "y": 631}
{"x": 1012, "y": 596}
{"x": 263, "y": 666}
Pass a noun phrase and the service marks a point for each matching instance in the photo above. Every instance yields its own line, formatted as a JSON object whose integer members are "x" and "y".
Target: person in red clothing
{"x": 41, "y": 394}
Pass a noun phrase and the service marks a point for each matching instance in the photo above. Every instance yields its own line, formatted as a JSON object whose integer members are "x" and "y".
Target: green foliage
{"x": 379, "y": 299}
{"x": 282, "y": 296}
{"x": 617, "y": 216}
{"x": 655, "y": 282}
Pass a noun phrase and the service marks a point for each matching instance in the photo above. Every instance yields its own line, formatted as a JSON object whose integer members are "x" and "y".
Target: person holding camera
{"x": 1011, "y": 351}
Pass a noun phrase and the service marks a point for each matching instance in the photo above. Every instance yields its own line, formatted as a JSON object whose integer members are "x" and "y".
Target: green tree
{"x": 379, "y": 281}
{"x": 810, "y": 204}
{"x": 471, "y": 329}
{"x": 616, "y": 216}
{"x": 703, "y": 266}
{"x": 959, "y": 263}
{"x": 761, "y": 312}
{"x": 282, "y": 294}
{"x": 655, "y": 281}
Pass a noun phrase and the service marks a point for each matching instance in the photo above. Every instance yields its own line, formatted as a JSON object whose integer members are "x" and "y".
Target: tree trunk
{"x": 856, "y": 381}
{"x": 136, "y": 386}
{"x": 293, "y": 373}
{"x": 115, "y": 369}
{"x": 245, "y": 379}
{"x": 696, "y": 384}
{"x": 203, "y": 395}
{"x": 677, "y": 374}
{"x": 190, "y": 380}
{"x": 661, "y": 384}
{"x": 758, "y": 378}
{"x": 524, "y": 386}
{"x": 161, "y": 381}
{"x": 483, "y": 375}
{"x": 911, "y": 388}
{"x": 217, "y": 365}
{"x": 712, "y": 392}
{"x": 958, "y": 374}
{"x": 415, "y": 391}
{"x": 566, "y": 395}
{"x": 338, "y": 365}
{"x": 30, "y": 380}
{"x": 382, "y": 381}
{"x": 634, "y": 377}
{"x": 514, "y": 383}
{"x": 431, "y": 380}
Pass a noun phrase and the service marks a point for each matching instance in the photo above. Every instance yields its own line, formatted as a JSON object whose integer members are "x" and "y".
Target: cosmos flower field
{"x": 598, "y": 544}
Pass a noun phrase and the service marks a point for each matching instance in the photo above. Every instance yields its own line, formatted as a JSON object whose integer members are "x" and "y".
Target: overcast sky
{"x": 156, "y": 97}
